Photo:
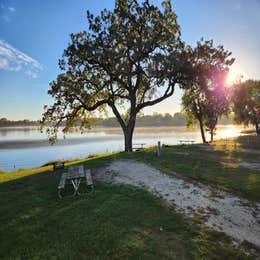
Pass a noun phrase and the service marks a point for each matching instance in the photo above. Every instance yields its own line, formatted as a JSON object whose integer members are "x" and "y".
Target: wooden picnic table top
{"x": 75, "y": 171}
{"x": 138, "y": 146}
{"x": 74, "y": 175}
{"x": 187, "y": 141}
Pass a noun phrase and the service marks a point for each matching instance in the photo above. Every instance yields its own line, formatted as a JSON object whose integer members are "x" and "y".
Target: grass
{"x": 90, "y": 162}
{"x": 244, "y": 142}
{"x": 120, "y": 221}
{"x": 116, "y": 222}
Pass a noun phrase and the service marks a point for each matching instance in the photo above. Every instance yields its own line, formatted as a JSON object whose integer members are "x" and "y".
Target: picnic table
{"x": 138, "y": 146}
{"x": 187, "y": 141}
{"x": 75, "y": 175}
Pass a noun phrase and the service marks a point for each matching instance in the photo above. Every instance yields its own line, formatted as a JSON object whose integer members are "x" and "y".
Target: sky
{"x": 34, "y": 33}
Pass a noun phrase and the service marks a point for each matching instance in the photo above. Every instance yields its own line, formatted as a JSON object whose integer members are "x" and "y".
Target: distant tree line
{"x": 157, "y": 119}
{"x": 178, "y": 119}
{"x": 4, "y": 122}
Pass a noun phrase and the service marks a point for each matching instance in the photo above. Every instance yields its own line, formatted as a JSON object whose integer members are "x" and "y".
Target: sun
{"x": 232, "y": 77}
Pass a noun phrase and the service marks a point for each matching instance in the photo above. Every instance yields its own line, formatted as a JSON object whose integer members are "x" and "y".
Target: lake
{"x": 25, "y": 147}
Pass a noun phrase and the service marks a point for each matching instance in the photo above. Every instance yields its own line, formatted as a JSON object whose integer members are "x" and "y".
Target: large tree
{"x": 206, "y": 98}
{"x": 246, "y": 103}
{"x": 128, "y": 59}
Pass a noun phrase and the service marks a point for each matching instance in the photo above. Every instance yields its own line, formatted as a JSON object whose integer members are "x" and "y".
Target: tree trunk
{"x": 257, "y": 129}
{"x": 128, "y": 129}
{"x": 255, "y": 121}
{"x": 211, "y": 135}
{"x": 128, "y": 133}
{"x": 128, "y": 141}
{"x": 202, "y": 131}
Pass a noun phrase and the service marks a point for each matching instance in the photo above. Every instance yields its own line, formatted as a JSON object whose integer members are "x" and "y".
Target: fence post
{"x": 159, "y": 149}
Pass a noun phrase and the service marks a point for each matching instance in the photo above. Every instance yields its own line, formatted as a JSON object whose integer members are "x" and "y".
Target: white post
{"x": 159, "y": 149}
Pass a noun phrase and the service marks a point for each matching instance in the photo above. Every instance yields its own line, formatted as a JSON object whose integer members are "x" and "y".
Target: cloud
{"x": 6, "y": 12}
{"x": 4, "y": 63}
{"x": 31, "y": 74}
{"x": 11, "y": 9}
{"x": 12, "y": 59}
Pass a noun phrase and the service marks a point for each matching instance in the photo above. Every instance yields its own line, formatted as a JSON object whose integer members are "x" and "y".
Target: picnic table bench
{"x": 138, "y": 146}
{"x": 187, "y": 141}
{"x": 75, "y": 175}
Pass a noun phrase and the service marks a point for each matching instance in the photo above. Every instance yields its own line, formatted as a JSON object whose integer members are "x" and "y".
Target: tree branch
{"x": 95, "y": 106}
{"x": 117, "y": 114}
{"x": 169, "y": 91}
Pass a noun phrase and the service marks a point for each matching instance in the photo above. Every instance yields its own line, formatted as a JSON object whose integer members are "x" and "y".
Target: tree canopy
{"x": 206, "y": 96}
{"x": 128, "y": 59}
{"x": 246, "y": 103}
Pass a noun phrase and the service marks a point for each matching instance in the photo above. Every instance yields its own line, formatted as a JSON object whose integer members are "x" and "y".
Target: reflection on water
{"x": 20, "y": 133}
{"x": 91, "y": 142}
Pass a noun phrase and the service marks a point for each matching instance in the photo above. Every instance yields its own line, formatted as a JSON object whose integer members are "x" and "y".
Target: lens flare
{"x": 232, "y": 77}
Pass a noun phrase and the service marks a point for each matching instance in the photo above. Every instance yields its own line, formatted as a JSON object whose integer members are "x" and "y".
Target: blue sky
{"x": 34, "y": 33}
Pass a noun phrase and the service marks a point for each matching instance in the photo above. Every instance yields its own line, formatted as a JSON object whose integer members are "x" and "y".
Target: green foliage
{"x": 189, "y": 106}
{"x": 246, "y": 103}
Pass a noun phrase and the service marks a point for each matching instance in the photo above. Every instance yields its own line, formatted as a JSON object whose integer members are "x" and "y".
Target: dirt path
{"x": 221, "y": 211}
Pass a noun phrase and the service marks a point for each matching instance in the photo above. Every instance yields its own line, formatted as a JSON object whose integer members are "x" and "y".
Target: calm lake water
{"x": 28, "y": 147}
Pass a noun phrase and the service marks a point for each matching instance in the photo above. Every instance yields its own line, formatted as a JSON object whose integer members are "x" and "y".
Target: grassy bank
{"x": 118, "y": 222}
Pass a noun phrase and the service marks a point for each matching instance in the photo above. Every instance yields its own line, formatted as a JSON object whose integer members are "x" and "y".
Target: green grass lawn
{"x": 117, "y": 221}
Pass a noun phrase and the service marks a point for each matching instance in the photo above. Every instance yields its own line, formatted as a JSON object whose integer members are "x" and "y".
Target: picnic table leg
{"x": 75, "y": 186}
{"x": 59, "y": 193}
{"x": 88, "y": 186}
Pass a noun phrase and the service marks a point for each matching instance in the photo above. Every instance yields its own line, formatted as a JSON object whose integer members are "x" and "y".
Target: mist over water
{"x": 22, "y": 147}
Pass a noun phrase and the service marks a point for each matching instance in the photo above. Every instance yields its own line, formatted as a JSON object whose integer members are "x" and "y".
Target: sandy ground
{"x": 219, "y": 210}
